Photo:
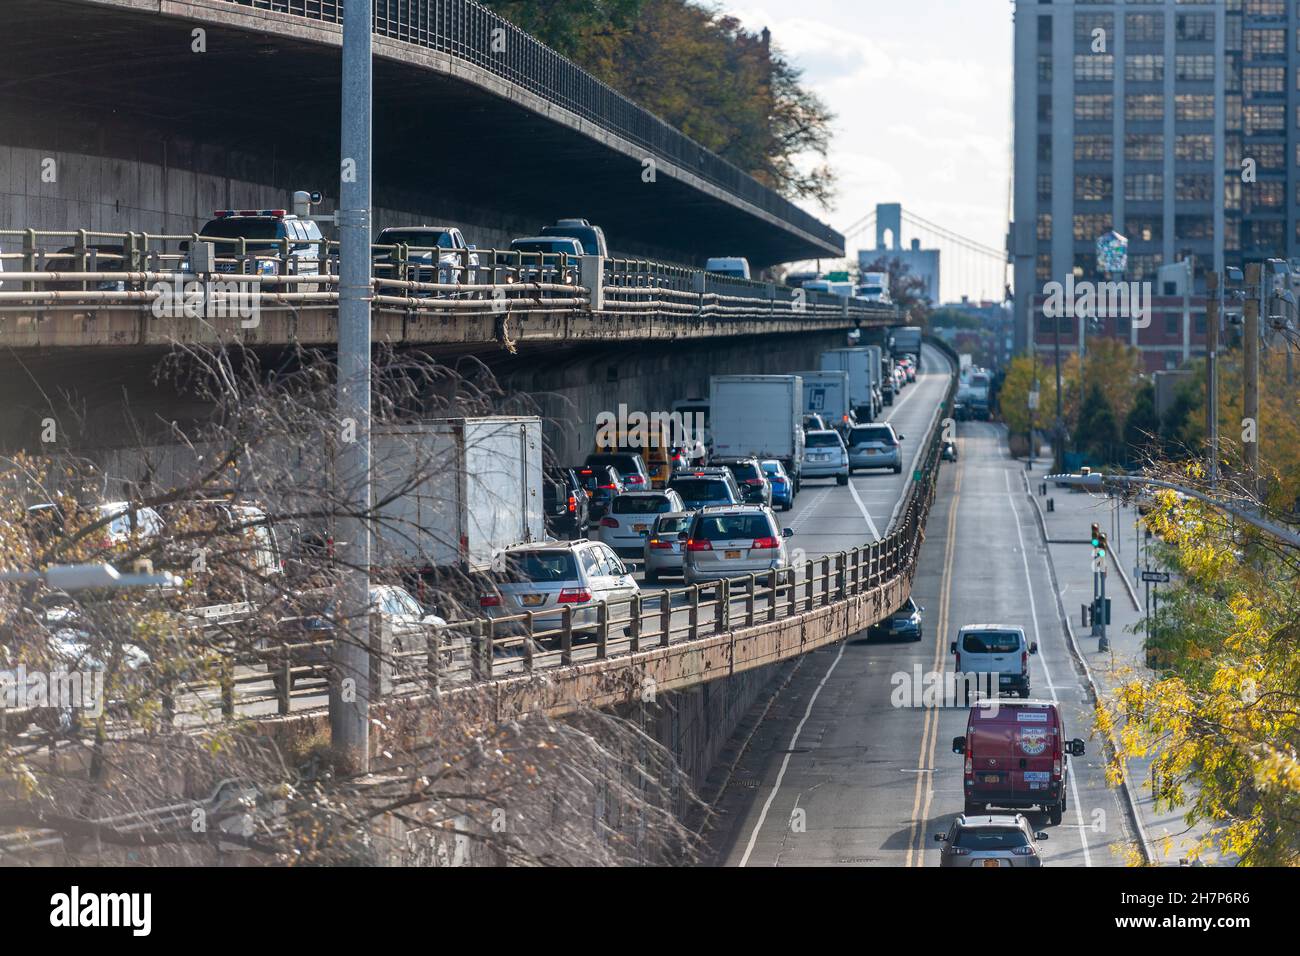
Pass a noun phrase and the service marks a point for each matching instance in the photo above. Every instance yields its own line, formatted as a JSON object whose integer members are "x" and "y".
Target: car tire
{"x": 1056, "y": 814}
{"x": 786, "y": 506}
{"x": 651, "y": 577}
{"x": 919, "y": 637}
{"x": 898, "y": 469}
{"x": 841, "y": 480}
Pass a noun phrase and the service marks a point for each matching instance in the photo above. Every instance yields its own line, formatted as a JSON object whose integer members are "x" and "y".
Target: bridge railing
{"x": 474, "y": 34}
{"x": 80, "y": 269}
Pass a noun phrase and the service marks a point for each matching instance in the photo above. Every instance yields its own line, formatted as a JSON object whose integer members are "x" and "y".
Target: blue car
{"x": 906, "y": 623}
{"x": 782, "y": 486}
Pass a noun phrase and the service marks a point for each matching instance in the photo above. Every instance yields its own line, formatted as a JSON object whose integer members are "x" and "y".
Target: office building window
{"x": 1260, "y": 44}
{"x": 1044, "y": 225}
{"x": 1045, "y": 107}
{"x": 1193, "y": 227}
{"x": 1145, "y": 228}
{"x": 1094, "y": 66}
{"x": 1193, "y": 187}
{"x": 1194, "y": 26}
{"x": 1144, "y": 146}
{"x": 1232, "y": 112}
{"x": 1173, "y": 326}
{"x": 1266, "y": 8}
{"x": 1092, "y": 188}
{"x": 1263, "y": 79}
{"x": 1194, "y": 66}
{"x": 1144, "y": 27}
{"x": 1265, "y": 234}
{"x": 1263, "y": 118}
{"x": 1144, "y": 106}
{"x": 1144, "y": 66}
{"x": 1194, "y": 146}
{"x": 1193, "y": 106}
{"x": 1045, "y": 67}
{"x": 1093, "y": 106}
{"x": 1044, "y": 29}
{"x": 1044, "y": 186}
{"x": 1095, "y": 147}
{"x": 1232, "y": 193}
{"x": 1043, "y": 267}
{"x": 1044, "y": 147}
{"x": 1263, "y": 196}
{"x": 1268, "y": 156}
{"x": 1090, "y": 225}
{"x": 1140, "y": 187}
{"x": 1144, "y": 265}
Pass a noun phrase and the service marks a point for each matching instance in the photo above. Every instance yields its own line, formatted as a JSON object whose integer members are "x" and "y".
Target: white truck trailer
{"x": 759, "y": 416}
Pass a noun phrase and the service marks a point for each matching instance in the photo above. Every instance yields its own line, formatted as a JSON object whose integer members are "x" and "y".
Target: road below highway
{"x": 835, "y": 774}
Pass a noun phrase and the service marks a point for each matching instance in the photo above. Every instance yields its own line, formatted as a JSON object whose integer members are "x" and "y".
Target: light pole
{"x": 350, "y": 688}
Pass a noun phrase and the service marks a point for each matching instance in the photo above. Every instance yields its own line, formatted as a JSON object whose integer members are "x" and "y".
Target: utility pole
{"x": 1213, "y": 298}
{"x": 1059, "y": 432}
{"x": 350, "y": 688}
{"x": 1250, "y": 366}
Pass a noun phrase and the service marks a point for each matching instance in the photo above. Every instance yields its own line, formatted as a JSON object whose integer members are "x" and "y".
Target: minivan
{"x": 1016, "y": 756}
{"x": 1000, "y": 649}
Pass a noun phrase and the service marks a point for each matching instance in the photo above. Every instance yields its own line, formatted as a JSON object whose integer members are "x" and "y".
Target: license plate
{"x": 994, "y": 863}
{"x": 1036, "y": 776}
{"x": 991, "y": 778}
{"x": 643, "y": 528}
{"x": 733, "y": 555}
{"x": 1004, "y": 679}
{"x": 532, "y": 600}
{"x": 872, "y": 451}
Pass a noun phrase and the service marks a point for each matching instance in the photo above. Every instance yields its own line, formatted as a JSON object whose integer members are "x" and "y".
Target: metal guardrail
{"x": 474, "y": 34}
{"x": 81, "y": 270}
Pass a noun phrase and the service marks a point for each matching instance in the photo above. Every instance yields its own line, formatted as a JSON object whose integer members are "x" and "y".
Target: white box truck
{"x": 759, "y": 416}
{"x": 827, "y": 394}
{"x": 906, "y": 341}
{"x": 451, "y": 493}
{"x": 862, "y": 378}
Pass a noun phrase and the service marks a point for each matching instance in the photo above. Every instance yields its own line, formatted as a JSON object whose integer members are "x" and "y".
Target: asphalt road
{"x": 836, "y": 774}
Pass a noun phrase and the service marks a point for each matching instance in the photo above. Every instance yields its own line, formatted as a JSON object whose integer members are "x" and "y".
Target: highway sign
{"x": 1156, "y": 577}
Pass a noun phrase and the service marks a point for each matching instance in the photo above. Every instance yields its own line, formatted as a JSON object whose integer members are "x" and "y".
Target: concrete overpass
{"x": 499, "y": 137}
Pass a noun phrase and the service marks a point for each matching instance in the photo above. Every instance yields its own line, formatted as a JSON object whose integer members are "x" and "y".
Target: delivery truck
{"x": 863, "y": 376}
{"x": 452, "y": 493}
{"x": 827, "y": 394}
{"x": 759, "y": 416}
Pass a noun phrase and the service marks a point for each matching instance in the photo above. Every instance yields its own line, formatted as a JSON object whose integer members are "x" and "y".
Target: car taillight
{"x": 490, "y": 600}
{"x": 1024, "y": 662}
{"x": 698, "y": 545}
{"x": 1025, "y": 850}
{"x": 1056, "y": 768}
{"x": 764, "y": 544}
{"x": 609, "y": 487}
{"x": 753, "y": 481}
{"x": 658, "y": 544}
{"x": 573, "y": 503}
{"x": 970, "y": 756}
{"x": 574, "y": 596}
{"x": 960, "y": 851}
{"x": 957, "y": 666}
{"x": 608, "y": 522}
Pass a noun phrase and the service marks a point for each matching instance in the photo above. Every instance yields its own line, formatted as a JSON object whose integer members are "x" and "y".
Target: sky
{"x": 922, "y": 96}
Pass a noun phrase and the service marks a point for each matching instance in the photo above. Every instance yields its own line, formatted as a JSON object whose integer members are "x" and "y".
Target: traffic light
{"x": 1102, "y": 546}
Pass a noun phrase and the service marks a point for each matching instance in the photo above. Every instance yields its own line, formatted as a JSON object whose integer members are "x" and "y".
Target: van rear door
{"x": 1036, "y": 734}
{"x": 989, "y": 745}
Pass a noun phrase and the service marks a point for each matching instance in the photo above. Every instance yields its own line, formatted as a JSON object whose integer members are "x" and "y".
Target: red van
{"x": 1016, "y": 756}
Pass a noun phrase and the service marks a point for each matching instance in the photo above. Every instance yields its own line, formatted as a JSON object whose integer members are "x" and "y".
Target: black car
{"x": 603, "y": 484}
{"x": 754, "y": 486}
{"x": 565, "y": 503}
{"x": 907, "y": 622}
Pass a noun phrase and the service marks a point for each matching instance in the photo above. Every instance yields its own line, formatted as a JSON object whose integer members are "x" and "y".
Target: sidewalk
{"x": 1068, "y": 531}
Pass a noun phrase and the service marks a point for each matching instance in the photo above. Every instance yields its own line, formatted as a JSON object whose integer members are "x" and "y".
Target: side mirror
{"x": 939, "y": 838}
{"x": 1040, "y": 835}
{"x": 1033, "y": 648}
{"x": 959, "y": 745}
{"x": 901, "y": 437}
{"x": 920, "y": 608}
{"x": 1076, "y": 747}
{"x": 788, "y": 533}
{"x": 952, "y": 648}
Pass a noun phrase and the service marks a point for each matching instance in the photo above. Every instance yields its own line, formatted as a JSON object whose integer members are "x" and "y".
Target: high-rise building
{"x": 1175, "y": 124}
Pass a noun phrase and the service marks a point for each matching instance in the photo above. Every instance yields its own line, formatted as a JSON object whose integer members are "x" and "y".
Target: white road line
{"x": 857, "y": 499}
{"x": 785, "y": 761}
{"x": 1042, "y": 659}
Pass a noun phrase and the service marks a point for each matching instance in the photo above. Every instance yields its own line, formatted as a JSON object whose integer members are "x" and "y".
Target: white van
{"x": 1000, "y": 649}
{"x": 737, "y": 267}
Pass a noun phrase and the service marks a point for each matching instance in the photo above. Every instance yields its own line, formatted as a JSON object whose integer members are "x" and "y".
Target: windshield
{"x": 744, "y": 471}
{"x": 420, "y": 238}
{"x": 772, "y": 468}
{"x": 584, "y": 234}
{"x": 822, "y": 440}
{"x": 623, "y": 464}
{"x": 671, "y": 525}
{"x": 725, "y": 527}
{"x": 990, "y": 838}
{"x": 991, "y": 642}
{"x": 557, "y": 245}
{"x": 702, "y": 489}
{"x": 640, "y": 504}
{"x": 541, "y": 567}
{"x": 246, "y": 228}
{"x": 872, "y": 434}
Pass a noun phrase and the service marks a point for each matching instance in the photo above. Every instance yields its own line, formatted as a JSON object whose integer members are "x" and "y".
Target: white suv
{"x": 630, "y": 517}
{"x": 546, "y": 578}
